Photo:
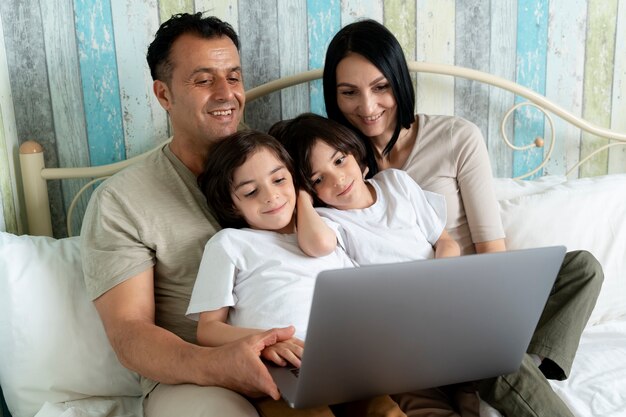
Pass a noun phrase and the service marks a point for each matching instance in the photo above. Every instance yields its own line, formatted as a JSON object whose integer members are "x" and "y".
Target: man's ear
{"x": 163, "y": 94}
{"x": 365, "y": 171}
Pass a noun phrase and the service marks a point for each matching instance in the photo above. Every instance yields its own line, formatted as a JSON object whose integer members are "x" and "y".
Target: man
{"x": 145, "y": 229}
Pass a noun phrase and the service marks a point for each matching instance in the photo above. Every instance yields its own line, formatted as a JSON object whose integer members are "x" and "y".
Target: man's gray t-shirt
{"x": 151, "y": 214}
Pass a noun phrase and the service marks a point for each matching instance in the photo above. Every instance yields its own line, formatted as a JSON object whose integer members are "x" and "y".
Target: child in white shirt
{"x": 387, "y": 218}
{"x": 259, "y": 271}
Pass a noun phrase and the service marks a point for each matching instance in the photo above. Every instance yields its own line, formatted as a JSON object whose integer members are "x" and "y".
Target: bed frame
{"x": 35, "y": 174}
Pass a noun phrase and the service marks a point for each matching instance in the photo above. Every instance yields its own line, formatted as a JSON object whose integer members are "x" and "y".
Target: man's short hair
{"x": 208, "y": 27}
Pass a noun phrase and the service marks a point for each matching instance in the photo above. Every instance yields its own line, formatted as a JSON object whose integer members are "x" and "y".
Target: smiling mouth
{"x": 275, "y": 210}
{"x": 221, "y": 112}
{"x": 369, "y": 119}
{"x": 346, "y": 190}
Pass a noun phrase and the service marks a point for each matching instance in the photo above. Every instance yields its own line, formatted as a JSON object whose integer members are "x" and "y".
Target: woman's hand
{"x": 287, "y": 351}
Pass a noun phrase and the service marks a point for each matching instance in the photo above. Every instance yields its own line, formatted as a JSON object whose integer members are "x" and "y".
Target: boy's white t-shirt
{"x": 402, "y": 225}
{"x": 263, "y": 276}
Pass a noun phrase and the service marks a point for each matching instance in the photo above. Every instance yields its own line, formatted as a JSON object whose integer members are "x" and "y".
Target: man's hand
{"x": 240, "y": 365}
{"x": 288, "y": 351}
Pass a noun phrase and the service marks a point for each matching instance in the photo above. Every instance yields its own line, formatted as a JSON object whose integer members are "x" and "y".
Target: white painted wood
{"x": 226, "y": 10}
{"x": 435, "y": 31}
{"x": 352, "y": 10}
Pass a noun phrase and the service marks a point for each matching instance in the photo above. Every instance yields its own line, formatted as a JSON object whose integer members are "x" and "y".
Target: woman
{"x": 367, "y": 87}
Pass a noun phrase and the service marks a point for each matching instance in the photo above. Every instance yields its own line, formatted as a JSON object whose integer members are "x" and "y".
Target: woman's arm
{"x": 446, "y": 247}
{"x": 314, "y": 236}
{"x": 497, "y": 245}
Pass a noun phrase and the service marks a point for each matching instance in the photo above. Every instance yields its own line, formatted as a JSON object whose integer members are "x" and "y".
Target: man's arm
{"x": 128, "y": 314}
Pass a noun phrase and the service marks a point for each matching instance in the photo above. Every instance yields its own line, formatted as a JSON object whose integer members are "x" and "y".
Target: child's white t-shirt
{"x": 263, "y": 276}
{"x": 402, "y": 225}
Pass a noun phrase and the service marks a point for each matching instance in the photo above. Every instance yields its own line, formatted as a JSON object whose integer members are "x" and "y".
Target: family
{"x": 201, "y": 259}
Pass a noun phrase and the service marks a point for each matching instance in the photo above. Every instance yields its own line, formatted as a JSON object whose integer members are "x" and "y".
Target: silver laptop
{"x": 386, "y": 329}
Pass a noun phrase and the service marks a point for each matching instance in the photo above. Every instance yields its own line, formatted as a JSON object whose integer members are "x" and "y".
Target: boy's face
{"x": 337, "y": 178}
{"x": 263, "y": 193}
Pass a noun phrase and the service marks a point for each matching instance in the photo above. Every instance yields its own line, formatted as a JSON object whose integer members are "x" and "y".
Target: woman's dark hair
{"x": 179, "y": 24}
{"x": 225, "y": 157}
{"x": 300, "y": 134}
{"x": 378, "y": 45}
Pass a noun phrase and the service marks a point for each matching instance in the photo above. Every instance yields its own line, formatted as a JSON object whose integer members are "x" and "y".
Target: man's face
{"x": 205, "y": 96}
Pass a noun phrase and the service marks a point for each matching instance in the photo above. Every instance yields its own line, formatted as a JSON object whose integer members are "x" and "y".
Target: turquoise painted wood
{"x": 501, "y": 63}
{"x": 144, "y": 120}
{"x": 472, "y": 50}
{"x": 292, "y": 43}
{"x": 565, "y": 64}
{"x": 260, "y": 60}
{"x": 324, "y": 20}
{"x": 101, "y": 92}
{"x": 532, "y": 37}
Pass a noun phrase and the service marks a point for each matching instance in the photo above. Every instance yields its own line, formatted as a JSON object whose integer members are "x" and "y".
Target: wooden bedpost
{"x": 35, "y": 189}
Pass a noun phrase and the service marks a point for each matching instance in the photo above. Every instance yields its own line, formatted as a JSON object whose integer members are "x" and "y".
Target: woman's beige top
{"x": 450, "y": 158}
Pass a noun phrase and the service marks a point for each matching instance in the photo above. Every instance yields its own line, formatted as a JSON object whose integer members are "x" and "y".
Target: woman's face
{"x": 365, "y": 98}
{"x": 263, "y": 192}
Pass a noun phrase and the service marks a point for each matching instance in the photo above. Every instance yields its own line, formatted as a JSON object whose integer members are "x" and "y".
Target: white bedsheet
{"x": 597, "y": 384}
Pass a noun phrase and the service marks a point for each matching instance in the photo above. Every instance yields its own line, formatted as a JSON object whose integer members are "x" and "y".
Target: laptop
{"x": 393, "y": 328}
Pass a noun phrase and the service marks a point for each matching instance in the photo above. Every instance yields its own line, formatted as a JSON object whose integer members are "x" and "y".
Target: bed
{"x": 55, "y": 359}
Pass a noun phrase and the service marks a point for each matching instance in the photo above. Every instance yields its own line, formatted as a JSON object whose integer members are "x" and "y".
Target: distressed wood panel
{"x": 101, "y": 92}
{"x": 8, "y": 218}
{"x": 226, "y": 10}
{"x": 400, "y": 17}
{"x": 260, "y": 58}
{"x": 24, "y": 41}
{"x": 167, "y": 8}
{"x": 353, "y": 10}
{"x": 323, "y": 21}
{"x": 66, "y": 94}
{"x": 532, "y": 43}
{"x": 144, "y": 120}
{"x": 471, "y": 99}
{"x": 435, "y": 43}
{"x": 617, "y": 154}
{"x": 502, "y": 63}
{"x": 601, "y": 22}
{"x": 565, "y": 70}
{"x": 292, "y": 44}
{"x": 9, "y": 207}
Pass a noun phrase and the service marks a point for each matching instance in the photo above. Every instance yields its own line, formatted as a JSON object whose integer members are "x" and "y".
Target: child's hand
{"x": 288, "y": 351}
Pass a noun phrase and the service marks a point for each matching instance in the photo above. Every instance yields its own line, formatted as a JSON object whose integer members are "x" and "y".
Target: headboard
{"x": 35, "y": 174}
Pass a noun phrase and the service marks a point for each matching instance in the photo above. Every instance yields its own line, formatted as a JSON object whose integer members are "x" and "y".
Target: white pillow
{"x": 53, "y": 347}
{"x": 587, "y": 213}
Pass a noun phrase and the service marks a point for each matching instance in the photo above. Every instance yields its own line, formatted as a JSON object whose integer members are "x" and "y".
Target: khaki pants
{"x": 527, "y": 393}
{"x": 381, "y": 406}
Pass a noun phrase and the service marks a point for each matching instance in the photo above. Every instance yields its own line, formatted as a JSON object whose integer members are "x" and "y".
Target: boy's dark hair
{"x": 225, "y": 157}
{"x": 179, "y": 24}
{"x": 378, "y": 45}
{"x": 300, "y": 134}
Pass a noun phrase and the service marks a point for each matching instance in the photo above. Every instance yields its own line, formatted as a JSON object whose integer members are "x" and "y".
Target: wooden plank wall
{"x": 75, "y": 73}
